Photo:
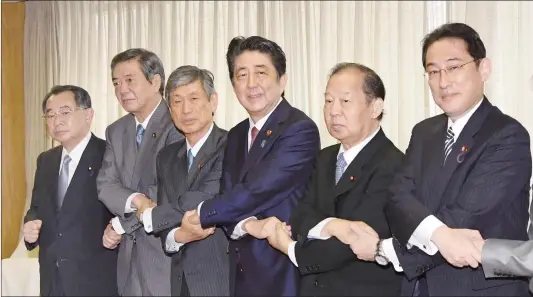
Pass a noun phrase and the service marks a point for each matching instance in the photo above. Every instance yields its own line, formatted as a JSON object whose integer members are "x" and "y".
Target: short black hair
{"x": 149, "y": 62}
{"x": 473, "y": 42}
{"x": 373, "y": 86}
{"x": 81, "y": 96}
{"x": 240, "y": 44}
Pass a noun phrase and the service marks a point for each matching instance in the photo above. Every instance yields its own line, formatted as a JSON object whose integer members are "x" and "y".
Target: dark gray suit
{"x": 204, "y": 263}
{"x": 509, "y": 258}
{"x": 143, "y": 267}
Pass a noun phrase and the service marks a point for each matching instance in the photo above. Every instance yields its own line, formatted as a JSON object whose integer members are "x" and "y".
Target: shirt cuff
{"x": 390, "y": 254}
{"x": 199, "y": 207}
{"x": 421, "y": 238}
{"x": 115, "y": 222}
{"x": 146, "y": 218}
{"x": 129, "y": 208}
{"x": 238, "y": 232}
{"x": 292, "y": 253}
{"x": 315, "y": 232}
{"x": 170, "y": 243}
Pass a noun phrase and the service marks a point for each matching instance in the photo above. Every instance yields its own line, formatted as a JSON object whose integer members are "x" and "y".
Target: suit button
{"x": 57, "y": 263}
{"x": 59, "y": 234}
{"x": 316, "y": 283}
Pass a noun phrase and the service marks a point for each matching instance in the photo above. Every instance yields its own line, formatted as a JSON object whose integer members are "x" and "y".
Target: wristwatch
{"x": 379, "y": 255}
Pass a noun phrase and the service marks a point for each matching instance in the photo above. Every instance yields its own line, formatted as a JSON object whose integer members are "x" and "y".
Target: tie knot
{"x": 66, "y": 160}
{"x": 140, "y": 130}
{"x": 449, "y": 133}
{"x": 254, "y": 133}
{"x": 190, "y": 158}
{"x": 341, "y": 162}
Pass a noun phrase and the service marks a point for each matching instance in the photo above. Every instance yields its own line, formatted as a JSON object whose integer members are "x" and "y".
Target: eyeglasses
{"x": 450, "y": 71}
{"x": 64, "y": 112}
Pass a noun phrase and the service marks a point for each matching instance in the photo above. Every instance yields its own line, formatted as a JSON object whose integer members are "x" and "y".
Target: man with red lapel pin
{"x": 268, "y": 161}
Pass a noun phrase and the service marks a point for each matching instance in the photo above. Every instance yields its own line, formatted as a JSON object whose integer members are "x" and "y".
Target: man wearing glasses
{"x": 467, "y": 168}
{"x": 65, "y": 218}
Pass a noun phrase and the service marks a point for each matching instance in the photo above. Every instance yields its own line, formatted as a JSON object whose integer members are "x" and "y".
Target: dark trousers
{"x": 184, "y": 287}
{"x": 56, "y": 289}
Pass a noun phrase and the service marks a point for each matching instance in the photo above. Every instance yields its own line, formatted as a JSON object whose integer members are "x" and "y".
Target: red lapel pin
{"x": 352, "y": 178}
{"x": 269, "y": 132}
{"x": 200, "y": 166}
{"x": 464, "y": 149}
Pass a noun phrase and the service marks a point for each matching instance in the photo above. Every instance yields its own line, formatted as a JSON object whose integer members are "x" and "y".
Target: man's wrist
{"x": 379, "y": 255}
{"x": 247, "y": 223}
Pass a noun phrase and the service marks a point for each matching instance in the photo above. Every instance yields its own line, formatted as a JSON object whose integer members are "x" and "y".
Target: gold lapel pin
{"x": 269, "y": 132}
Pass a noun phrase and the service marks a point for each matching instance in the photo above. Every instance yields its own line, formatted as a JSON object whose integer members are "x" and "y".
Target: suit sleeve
{"x": 270, "y": 182}
{"x": 33, "y": 212}
{"x": 507, "y": 258}
{"x": 332, "y": 254}
{"x": 110, "y": 189}
{"x": 500, "y": 173}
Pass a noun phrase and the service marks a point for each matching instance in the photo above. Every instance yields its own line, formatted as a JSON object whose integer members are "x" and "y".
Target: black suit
{"x": 483, "y": 185}
{"x": 71, "y": 253}
{"x": 329, "y": 267}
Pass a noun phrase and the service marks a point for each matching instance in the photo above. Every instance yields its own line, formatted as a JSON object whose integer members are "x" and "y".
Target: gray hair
{"x": 373, "y": 86}
{"x": 81, "y": 96}
{"x": 187, "y": 74}
{"x": 149, "y": 62}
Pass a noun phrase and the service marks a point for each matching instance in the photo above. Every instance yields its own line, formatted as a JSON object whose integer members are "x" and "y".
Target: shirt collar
{"x": 351, "y": 153}
{"x": 260, "y": 123}
{"x": 196, "y": 148}
{"x": 76, "y": 153}
{"x": 147, "y": 120}
{"x": 459, "y": 124}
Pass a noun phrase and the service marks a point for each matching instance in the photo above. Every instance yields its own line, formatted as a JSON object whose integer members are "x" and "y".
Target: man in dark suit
{"x": 65, "y": 218}
{"x": 189, "y": 172}
{"x": 350, "y": 183}
{"x": 466, "y": 168}
{"x": 128, "y": 176}
{"x": 267, "y": 163}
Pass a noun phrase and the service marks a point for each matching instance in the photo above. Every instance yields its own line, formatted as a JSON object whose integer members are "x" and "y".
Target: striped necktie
{"x": 448, "y": 144}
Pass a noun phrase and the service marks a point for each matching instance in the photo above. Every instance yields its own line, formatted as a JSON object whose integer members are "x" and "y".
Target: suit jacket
{"x": 329, "y": 267}
{"x": 181, "y": 190}
{"x": 508, "y": 258}
{"x": 143, "y": 267}
{"x": 70, "y": 239}
{"x": 266, "y": 181}
{"x": 483, "y": 186}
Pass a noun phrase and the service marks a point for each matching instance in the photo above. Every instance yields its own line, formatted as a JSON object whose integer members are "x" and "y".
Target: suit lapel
{"x": 433, "y": 156}
{"x": 129, "y": 148}
{"x": 179, "y": 170}
{"x": 465, "y": 140}
{"x": 151, "y": 136}
{"x": 266, "y": 137}
{"x": 54, "y": 176}
{"x": 352, "y": 174}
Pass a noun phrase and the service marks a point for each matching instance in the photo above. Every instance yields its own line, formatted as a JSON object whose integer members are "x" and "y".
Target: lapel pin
{"x": 90, "y": 171}
{"x": 461, "y": 156}
{"x": 269, "y": 132}
{"x": 352, "y": 178}
{"x": 263, "y": 143}
{"x": 153, "y": 135}
{"x": 200, "y": 166}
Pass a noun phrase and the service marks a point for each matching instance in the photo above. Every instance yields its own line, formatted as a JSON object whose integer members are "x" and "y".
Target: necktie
{"x": 448, "y": 144}
{"x": 62, "y": 183}
{"x": 190, "y": 158}
{"x": 341, "y": 165}
{"x": 254, "y": 135}
{"x": 139, "y": 137}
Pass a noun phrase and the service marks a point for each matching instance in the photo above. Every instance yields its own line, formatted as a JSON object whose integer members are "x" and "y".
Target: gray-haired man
{"x": 128, "y": 175}
{"x": 189, "y": 172}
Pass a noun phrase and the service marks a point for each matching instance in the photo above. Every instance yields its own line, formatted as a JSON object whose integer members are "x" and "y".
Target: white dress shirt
{"x": 238, "y": 232}
{"x": 421, "y": 237}
{"x": 349, "y": 156}
{"x": 128, "y": 207}
{"x": 75, "y": 156}
{"x": 146, "y": 217}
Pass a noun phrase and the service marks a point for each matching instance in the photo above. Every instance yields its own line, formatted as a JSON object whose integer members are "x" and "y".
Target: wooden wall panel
{"x": 13, "y": 164}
